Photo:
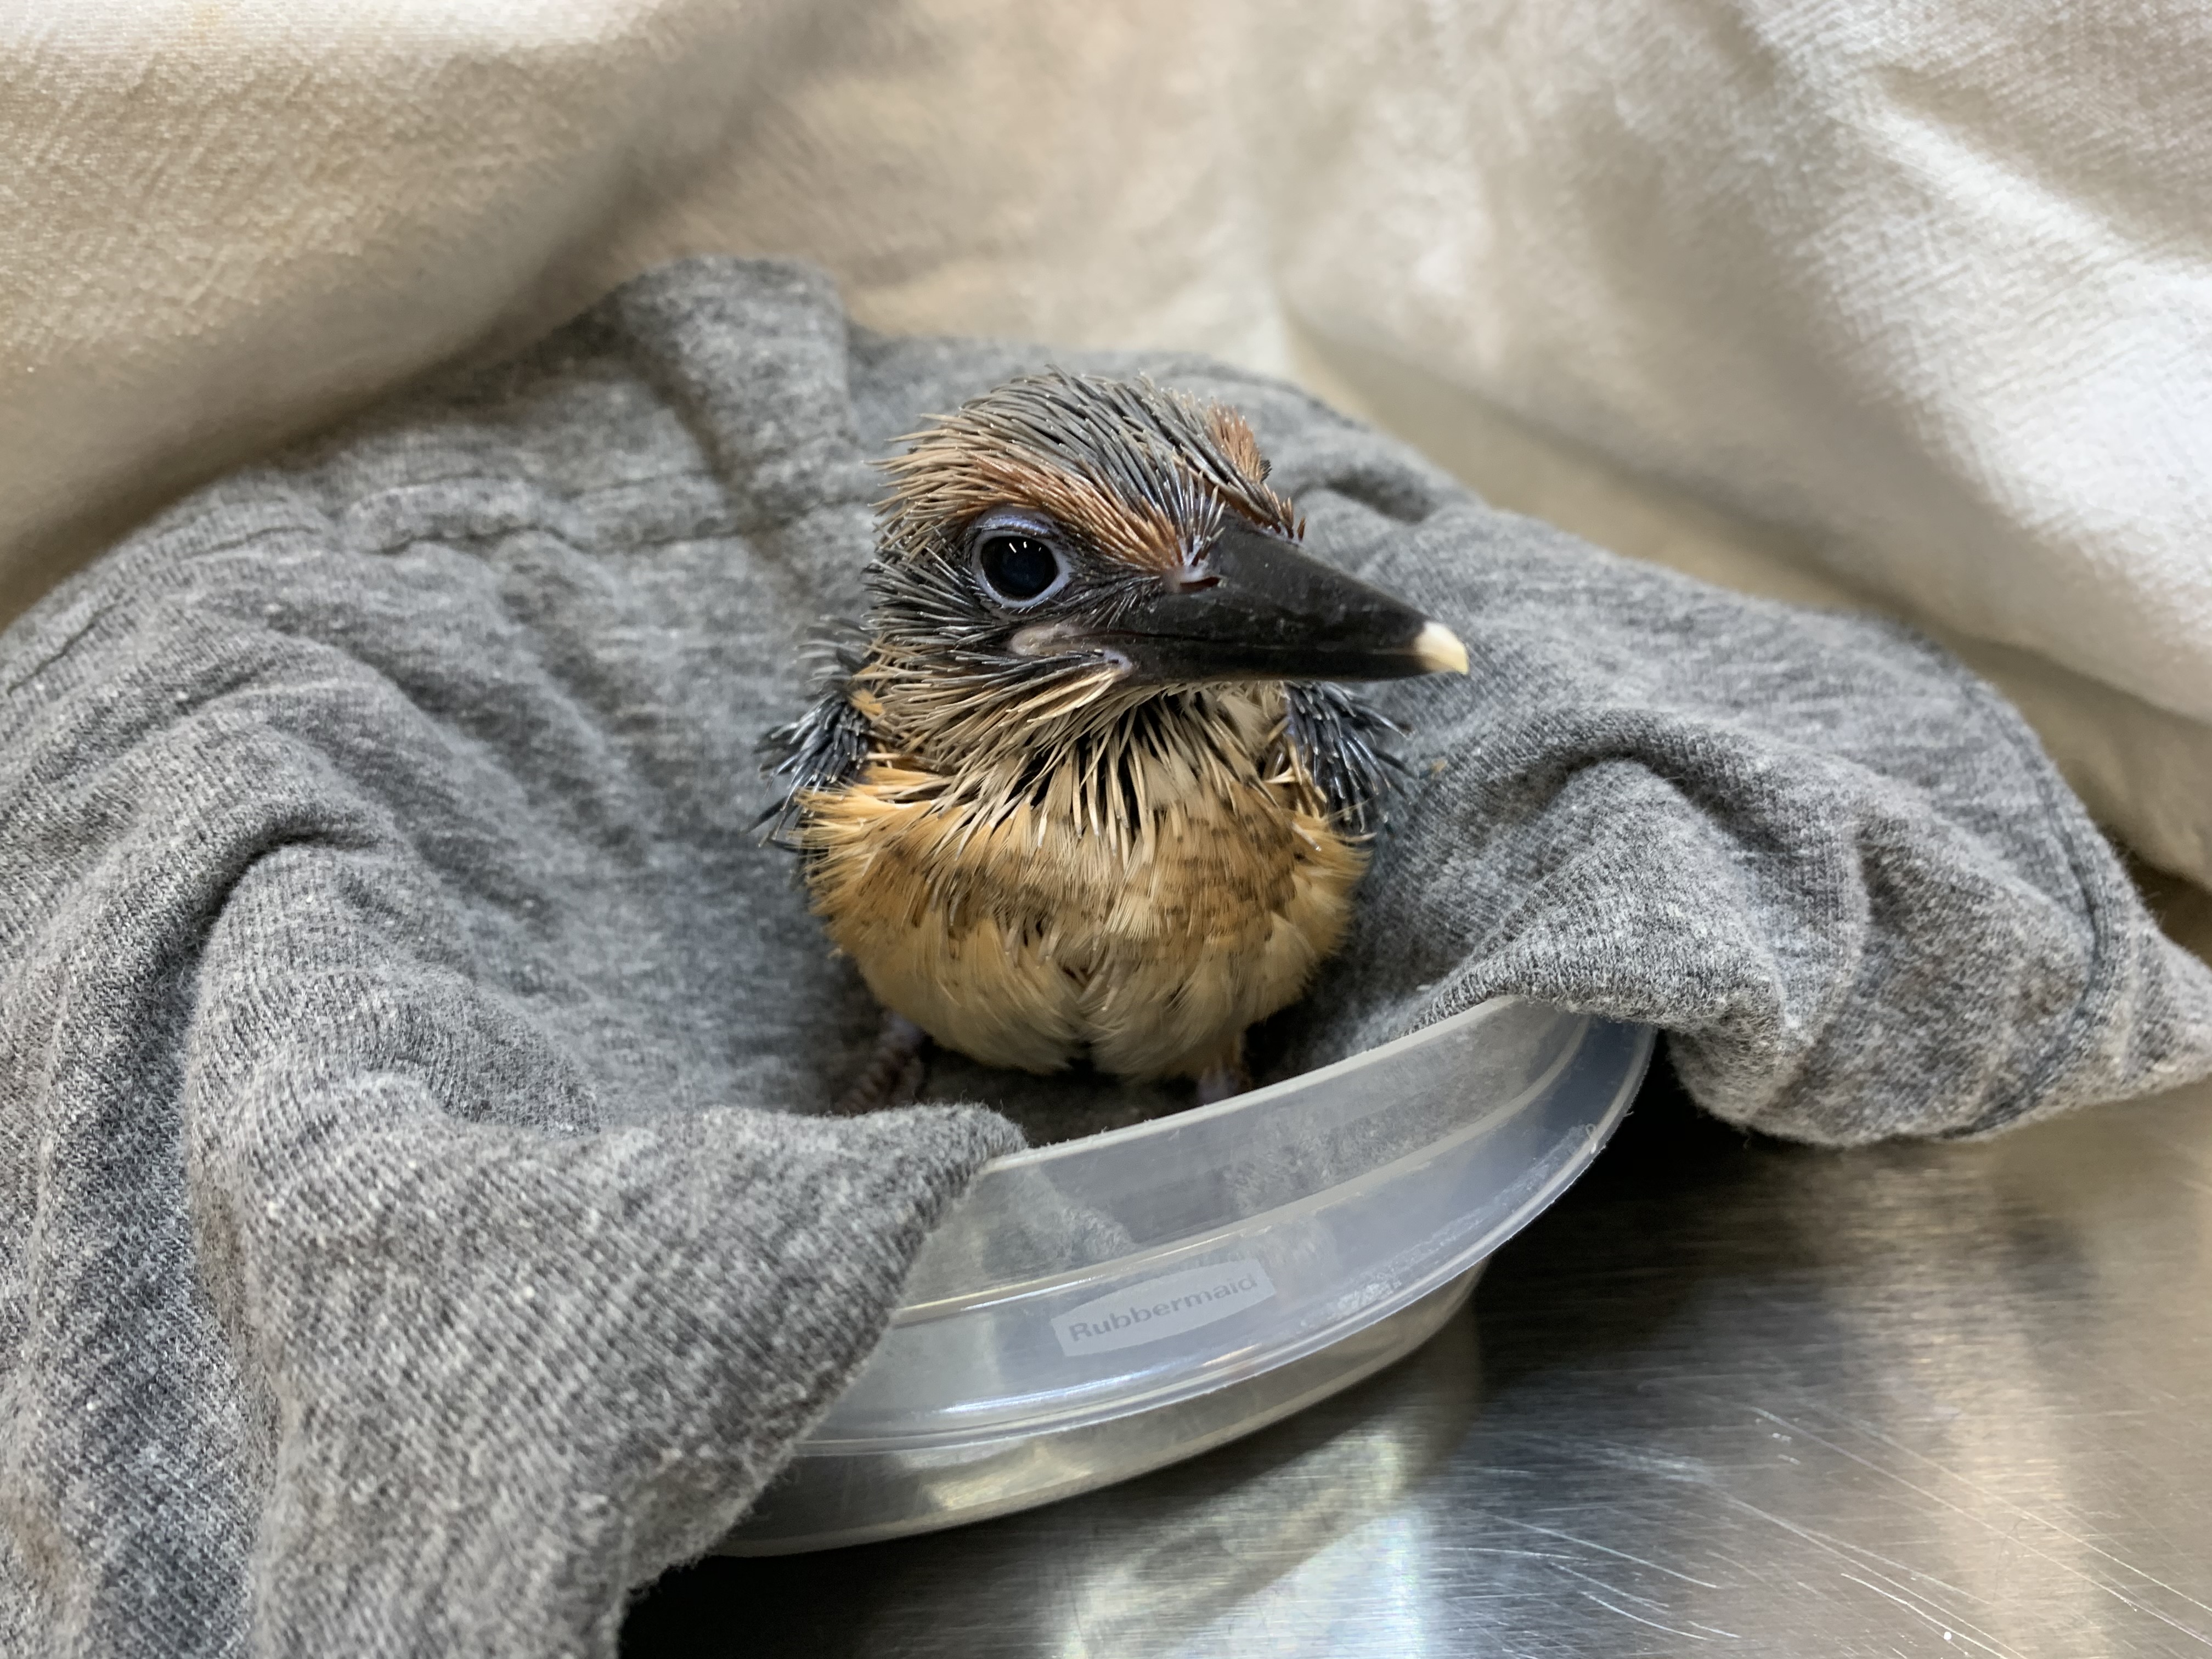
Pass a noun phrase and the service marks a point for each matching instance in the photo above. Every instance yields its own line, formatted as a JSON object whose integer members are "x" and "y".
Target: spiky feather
{"x": 1028, "y": 856}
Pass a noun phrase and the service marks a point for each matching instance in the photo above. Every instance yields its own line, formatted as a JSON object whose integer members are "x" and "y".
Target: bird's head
{"x": 1064, "y": 542}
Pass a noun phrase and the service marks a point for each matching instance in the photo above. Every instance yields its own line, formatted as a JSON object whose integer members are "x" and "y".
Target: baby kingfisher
{"x": 1086, "y": 788}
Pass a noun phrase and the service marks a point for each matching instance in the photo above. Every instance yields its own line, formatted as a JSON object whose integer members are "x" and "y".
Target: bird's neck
{"x": 1004, "y": 735}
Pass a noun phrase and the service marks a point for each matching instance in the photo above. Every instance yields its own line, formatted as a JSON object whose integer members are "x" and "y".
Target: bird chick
{"x": 1086, "y": 785}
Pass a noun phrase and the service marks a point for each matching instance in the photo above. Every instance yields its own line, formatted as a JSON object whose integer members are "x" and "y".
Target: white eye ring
{"x": 1016, "y": 563}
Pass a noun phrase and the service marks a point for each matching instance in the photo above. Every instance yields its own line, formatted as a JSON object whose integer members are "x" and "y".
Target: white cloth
{"x": 1922, "y": 295}
{"x": 1914, "y": 300}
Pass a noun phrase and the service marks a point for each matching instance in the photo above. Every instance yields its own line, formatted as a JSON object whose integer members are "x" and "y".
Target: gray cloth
{"x": 414, "y": 1235}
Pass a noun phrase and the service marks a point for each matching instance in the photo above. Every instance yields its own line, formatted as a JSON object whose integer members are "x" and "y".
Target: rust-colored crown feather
{"x": 1143, "y": 473}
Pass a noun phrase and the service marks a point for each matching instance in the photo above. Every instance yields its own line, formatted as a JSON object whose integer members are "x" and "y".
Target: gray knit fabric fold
{"x": 415, "y": 1236}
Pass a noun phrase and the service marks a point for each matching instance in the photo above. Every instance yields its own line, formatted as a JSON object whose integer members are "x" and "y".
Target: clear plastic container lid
{"x": 1128, "y": 1271}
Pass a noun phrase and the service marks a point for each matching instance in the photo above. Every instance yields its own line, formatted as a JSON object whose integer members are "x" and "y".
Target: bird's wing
{"x": 1338, "y": 741}
{"x": 824, "y": 747}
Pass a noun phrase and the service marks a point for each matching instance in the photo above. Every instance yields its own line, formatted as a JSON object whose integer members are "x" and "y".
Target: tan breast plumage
{"x": 1144, "y": 912}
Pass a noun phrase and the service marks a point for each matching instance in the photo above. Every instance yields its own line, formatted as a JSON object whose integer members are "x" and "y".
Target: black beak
{"x": 1260, "y": 609}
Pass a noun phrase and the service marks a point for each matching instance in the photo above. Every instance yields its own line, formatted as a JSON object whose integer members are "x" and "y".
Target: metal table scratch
{"x": 1729, "y": 1396}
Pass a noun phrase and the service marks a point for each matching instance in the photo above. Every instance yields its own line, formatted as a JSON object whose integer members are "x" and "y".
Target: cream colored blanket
{"x": 1910, "y": 307}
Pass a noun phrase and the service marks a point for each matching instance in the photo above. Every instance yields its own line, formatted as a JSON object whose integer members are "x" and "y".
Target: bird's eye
{"x": 1017, "y": 569}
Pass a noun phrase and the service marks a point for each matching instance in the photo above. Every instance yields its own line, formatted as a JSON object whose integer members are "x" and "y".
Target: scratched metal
{"x": 1727, "y": 1397}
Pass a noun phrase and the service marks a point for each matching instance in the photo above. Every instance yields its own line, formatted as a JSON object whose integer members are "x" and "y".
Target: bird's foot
{"x": 894, "y": 1072}
{"x": 1220, "y": 1082}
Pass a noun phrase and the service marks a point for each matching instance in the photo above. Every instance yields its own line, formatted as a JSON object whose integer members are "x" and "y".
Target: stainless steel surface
{"x": 1726, "y": 1396}
{"x": 865, "y": 1498}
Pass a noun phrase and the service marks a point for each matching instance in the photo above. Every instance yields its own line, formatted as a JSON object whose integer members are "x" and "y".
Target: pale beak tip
{"x": 1438, "y": 650}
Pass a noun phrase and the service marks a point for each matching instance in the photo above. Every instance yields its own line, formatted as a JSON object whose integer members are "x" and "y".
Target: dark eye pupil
{"x": 1018, "y": 567}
